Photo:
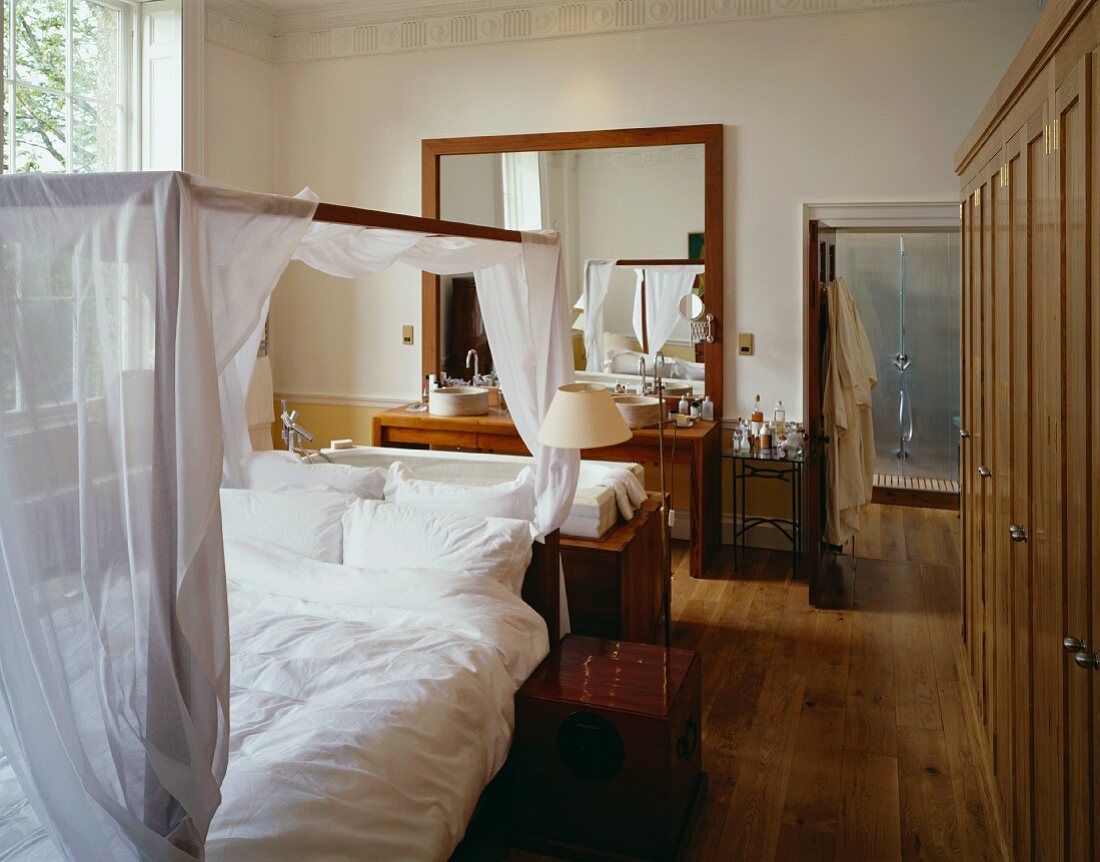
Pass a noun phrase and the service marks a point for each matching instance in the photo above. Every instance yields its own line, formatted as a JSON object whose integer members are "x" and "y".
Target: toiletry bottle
{"x": 746, "y": 437}
{"x": 765, "y": 438}
{"x": 432, "y": 382}
{"x": 708, "y": 408}
{"x": 685, "y": 405}
{"x": 757, "y": 417}
{"x": 780, "y": 418}
{"x": 695, "y": 406}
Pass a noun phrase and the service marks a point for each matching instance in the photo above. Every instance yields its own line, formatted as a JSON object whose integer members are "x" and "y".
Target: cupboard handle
{"x": 964, "y": 434}
{"x": 984, "y": 472}
{"x": 1072, "y": 644}
{"x": 1087, "y": 660}
{"x": 1017, "y": 533}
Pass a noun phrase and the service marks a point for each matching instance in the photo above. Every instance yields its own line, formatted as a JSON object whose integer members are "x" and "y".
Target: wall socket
{"x": 744, "y": 344}
{"x": 407, "y": 334}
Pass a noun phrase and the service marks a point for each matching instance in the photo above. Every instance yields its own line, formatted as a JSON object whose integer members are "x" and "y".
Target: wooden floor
{"x": 834, "y": 734}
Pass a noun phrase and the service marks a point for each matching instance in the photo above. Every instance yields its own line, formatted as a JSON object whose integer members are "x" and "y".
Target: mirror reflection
{"x": 631, "y": 224}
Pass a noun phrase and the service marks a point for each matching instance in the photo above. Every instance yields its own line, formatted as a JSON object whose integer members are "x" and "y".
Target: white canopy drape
{"x": 131, "y": 306}
{"x": 597, "y": 281}
{"x": 122, "y": 297}
{"x": 665, "y": 286}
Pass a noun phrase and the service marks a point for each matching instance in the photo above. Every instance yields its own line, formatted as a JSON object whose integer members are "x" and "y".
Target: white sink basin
{"x": 639, "y": 411}
{"x": 459, "y": 401}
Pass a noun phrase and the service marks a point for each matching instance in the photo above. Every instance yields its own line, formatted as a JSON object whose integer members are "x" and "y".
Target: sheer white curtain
{"x": 525, "y": 305}
{"x": 597, "y": 280}
{"x": 665, "y": 286}
{"x": 122, "y": 299}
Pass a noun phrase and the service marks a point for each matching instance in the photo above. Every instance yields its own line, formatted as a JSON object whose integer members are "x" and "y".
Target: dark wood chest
{"x": 607, "y": 757}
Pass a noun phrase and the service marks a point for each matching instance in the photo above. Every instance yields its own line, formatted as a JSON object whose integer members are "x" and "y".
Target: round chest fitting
{"x": 590, "y": 746}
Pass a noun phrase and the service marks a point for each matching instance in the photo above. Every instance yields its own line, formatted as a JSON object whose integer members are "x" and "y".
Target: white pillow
{"x": 615, "y": 343}
{"x": 268, "y": 471}
{"x": 306, "y": 522}
{"x": 515, "y": 499}
{"x": 387, "y": 535}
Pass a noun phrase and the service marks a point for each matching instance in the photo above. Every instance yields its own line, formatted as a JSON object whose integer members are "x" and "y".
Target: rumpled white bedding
{"x": 22, "y": 836}
{"x": 369, "y": 708}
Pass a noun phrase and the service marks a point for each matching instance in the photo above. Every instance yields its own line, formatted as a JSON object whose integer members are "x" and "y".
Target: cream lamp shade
{"x": 583, "y": 416}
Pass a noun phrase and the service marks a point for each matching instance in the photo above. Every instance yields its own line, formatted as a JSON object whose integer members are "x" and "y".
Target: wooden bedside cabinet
{"x": 614, "y": 583}
{"x": 606, "y": 761}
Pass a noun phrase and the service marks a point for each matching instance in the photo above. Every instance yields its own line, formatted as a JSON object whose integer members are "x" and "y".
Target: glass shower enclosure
{"x": 906, "y": 286}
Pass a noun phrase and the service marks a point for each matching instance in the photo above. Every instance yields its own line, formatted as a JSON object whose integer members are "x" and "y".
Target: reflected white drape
{"x": 597, "y": 280}
{"x": 123, "y": 298}
{"x": 665, "y": 286}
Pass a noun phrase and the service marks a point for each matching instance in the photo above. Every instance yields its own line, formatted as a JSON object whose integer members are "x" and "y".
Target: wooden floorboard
{"x": 834, "y": 734}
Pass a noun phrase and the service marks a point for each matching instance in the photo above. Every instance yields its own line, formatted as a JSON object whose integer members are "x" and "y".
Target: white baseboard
{"x": 760, "y": 536}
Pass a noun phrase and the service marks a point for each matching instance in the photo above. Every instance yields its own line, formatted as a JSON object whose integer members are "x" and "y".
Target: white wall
{"x": 847, "y": 107}
{"x": 238, "y": 119}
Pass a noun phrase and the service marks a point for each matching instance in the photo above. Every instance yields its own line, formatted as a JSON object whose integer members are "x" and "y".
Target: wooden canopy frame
{"x": 710, "y": 135}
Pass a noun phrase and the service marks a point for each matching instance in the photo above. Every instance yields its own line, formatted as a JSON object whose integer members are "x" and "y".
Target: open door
{"x": 821, "y": 269}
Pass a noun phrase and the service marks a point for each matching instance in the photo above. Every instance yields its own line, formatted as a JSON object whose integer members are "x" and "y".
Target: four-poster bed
{"x": 132, "y": 308}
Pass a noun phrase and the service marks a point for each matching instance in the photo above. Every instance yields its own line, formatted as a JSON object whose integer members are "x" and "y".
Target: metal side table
{"x": 766, "y": 465}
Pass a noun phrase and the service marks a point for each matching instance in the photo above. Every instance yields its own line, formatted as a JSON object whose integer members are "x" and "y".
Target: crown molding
{"x": 364, "y": 29}
{"x": 241, "y": 26}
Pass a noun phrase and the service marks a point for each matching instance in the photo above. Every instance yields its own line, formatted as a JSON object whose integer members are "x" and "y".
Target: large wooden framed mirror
{"x": 642, "y": 195}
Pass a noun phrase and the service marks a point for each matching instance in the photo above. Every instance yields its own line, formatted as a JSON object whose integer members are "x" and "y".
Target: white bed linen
{"x": 369, "y": 708}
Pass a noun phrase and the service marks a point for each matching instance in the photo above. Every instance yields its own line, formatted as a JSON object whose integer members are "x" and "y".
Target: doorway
{"x": 906, "y": 285}
{"x": 896, "y": 295}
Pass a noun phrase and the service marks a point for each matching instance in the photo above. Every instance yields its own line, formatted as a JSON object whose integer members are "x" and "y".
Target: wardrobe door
{"x": 1048, "y": 665}
{"x": 1072, "y": 159}
{"x": 1017, "y": 798}
{"x": 990, "y": 194}
{"x": 972, "y": 597}
{"x": 966, "y": 412}
{"x": 999, "y": 486}
{"x": 1093, "y": 239}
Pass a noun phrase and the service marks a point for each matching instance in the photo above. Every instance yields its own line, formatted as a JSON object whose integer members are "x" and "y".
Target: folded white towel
{"x": 583, "y": 528}
{"x": 629, "y": 490}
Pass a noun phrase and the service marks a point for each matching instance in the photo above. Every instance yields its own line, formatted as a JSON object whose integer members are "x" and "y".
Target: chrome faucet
{"x": 641, "y": 371}
{"x": 471, "y": 354}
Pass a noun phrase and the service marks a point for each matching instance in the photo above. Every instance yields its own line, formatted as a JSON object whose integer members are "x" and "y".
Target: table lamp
{"x": 583, "y": 416}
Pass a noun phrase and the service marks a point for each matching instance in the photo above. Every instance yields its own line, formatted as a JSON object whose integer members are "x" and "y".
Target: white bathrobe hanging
{"x": 850, "y": 375}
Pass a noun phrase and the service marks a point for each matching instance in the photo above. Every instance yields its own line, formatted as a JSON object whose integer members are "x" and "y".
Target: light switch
{"x": 744, "y": 343}
{"x": 407, "y": 334}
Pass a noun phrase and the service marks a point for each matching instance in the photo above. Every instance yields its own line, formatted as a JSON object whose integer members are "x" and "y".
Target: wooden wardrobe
{"x": 1030, "y": 438}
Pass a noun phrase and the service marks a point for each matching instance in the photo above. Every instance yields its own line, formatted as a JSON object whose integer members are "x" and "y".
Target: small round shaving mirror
{"x": 691, "y": 307}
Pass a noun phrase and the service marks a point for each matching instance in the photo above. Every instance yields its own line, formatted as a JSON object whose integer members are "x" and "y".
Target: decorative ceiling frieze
{"x": 354, "y": 30}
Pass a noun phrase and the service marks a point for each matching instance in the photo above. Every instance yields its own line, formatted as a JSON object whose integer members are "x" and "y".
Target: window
{"x": 67, "y": 82}
{"x": 522, "y": 191}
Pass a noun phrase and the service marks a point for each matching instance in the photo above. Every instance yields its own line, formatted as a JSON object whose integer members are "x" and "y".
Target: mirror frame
{"x": 710, "y": 135}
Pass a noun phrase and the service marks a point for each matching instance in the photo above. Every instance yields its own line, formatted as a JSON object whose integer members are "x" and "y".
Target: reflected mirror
{"x": 642, "y": 207}
{"x": 691, "y": 307}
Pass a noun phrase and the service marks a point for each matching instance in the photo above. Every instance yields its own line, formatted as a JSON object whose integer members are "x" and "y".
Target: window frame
{"x": 129, "y": 84}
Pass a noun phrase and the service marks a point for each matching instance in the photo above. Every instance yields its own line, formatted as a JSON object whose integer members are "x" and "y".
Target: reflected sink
{"x": 639, "y": 411}
{"x": 459, "y": 401}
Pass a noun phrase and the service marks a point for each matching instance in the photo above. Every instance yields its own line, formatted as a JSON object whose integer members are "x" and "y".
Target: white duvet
{"x": 369, "y": 708}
